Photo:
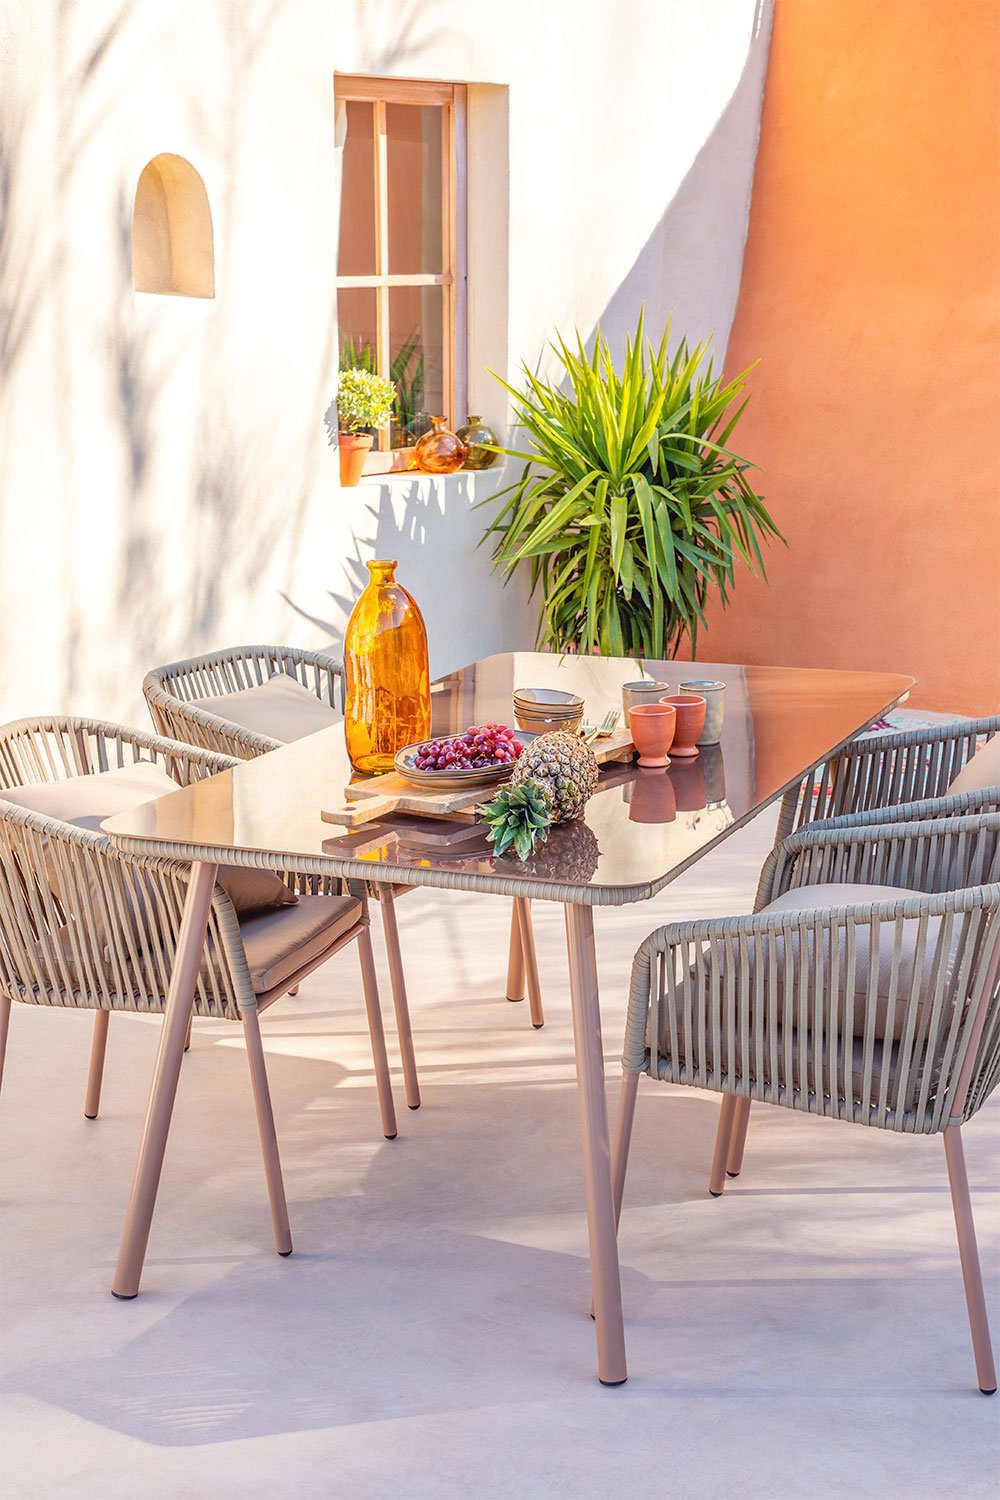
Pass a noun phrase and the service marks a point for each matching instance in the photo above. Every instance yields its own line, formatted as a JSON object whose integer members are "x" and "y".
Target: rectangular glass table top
{"x": 639, "y": 829}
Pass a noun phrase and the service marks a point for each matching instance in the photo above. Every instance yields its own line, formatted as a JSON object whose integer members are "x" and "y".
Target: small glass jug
{"x": 386, "y": 675}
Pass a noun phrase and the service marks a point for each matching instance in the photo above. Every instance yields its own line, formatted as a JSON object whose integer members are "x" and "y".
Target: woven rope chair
{"x": 754, "y": 1007}
{"x": 877, "y": 771}
{"x": 86, "y": 927}
{"x": 169, "y": 691}
{"x": 875, "y": 779}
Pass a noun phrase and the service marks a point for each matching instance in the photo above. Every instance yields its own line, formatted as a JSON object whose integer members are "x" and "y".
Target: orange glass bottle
{"x": 387, "y": 679}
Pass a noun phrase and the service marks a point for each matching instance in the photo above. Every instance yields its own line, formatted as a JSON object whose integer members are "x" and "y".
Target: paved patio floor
{"x": 804, "y": 1336}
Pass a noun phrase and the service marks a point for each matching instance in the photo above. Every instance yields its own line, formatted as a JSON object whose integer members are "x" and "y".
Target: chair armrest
{"x": 930, "y": 855}
{"x": 964, "y": 804}
{"x": 776, "y": 1006}
{"x": 43, "y": 749}
{"x": 884, "y": 770}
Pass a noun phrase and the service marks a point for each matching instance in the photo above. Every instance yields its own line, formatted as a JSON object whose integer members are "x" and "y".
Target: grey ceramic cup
{"x": 714, "y": 694}
{"x": 644, "y": 691}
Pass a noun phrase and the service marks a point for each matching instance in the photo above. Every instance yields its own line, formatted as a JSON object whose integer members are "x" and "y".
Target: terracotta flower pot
{"x": 652, "y": 726}
{"x": 690, "y": 711}
{"x": 353, "y": 448}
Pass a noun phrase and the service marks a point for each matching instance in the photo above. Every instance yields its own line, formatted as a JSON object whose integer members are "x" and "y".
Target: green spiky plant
{"x": 518, "y": 816}
{"x": 631, "y": 507}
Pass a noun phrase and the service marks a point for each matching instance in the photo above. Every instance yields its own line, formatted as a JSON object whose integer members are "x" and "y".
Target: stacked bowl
{"x": 540, "y": 710}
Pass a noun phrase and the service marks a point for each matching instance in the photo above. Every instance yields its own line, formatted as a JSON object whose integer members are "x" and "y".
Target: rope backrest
{"x": 169, "y": 691}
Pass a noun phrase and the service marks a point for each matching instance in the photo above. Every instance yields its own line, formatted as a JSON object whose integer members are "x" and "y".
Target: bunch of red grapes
{"x": 481, "y": 745}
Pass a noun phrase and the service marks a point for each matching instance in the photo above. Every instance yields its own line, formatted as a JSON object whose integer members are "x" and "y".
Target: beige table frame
{"x": 141, "y": 834}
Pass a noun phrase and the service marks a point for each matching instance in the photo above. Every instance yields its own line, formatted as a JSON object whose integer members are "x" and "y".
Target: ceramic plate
{"x": 447, "y": 781}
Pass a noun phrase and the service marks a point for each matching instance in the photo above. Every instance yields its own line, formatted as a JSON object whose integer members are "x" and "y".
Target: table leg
{"x": 596, "y": 1145}
{"x": 177, "y": 1013}
{"x": 515, "y": 959}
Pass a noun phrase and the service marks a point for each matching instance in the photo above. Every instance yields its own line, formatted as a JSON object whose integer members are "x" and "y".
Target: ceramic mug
{"x": 714, "y": 694}
{"x": 690, "y": 710}
{"x": 643, "y": 691}
{"x": 652, "y": 726}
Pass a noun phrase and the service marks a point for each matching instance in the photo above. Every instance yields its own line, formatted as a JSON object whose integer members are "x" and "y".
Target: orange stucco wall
{"x": 870, "y": 294}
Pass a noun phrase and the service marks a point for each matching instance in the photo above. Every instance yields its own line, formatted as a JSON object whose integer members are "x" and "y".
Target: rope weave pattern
{"x": 83, "y": 924}
{"x": 169, "y": 691}
{"x": 765, "y": 1006}
{"x": 884, "y": 771}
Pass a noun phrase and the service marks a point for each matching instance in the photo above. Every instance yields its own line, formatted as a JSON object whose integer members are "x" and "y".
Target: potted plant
{"x": 631, "y": 506}
{"x": 364, "y": 403}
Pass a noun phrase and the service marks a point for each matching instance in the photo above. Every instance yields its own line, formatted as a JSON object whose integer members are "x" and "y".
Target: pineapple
{"x": 572, "y": 854}
{"x": 552, "y": 781}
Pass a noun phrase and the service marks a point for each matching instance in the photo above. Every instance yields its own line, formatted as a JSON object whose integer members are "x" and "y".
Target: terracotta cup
{"x": 651, "y": 798}
{"x": 652, "y": 726}
{"x": 690, "y": 710}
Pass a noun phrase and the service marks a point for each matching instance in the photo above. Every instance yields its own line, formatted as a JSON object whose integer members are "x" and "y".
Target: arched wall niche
{"x": 172, "y": 243}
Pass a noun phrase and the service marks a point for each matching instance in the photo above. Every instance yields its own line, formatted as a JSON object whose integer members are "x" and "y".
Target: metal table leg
{"x": 596, "y": 1145}
{"x": 180, "y": 1000}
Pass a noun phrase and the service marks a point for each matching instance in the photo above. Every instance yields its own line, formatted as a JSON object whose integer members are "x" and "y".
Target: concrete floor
{"x": 804, "y": 1336}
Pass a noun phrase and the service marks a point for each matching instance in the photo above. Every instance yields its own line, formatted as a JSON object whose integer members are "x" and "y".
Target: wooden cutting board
{"x": 383, "y": 796}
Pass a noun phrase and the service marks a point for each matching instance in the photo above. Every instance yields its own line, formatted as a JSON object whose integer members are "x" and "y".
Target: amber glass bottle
{"x": 386, "y": 674}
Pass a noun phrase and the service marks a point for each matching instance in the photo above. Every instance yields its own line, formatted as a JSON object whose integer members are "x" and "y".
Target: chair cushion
{"x": 86, "y": 801}
{"x": 280, "y": 708}
{"x": 279, "y": 942}
{"x": 813, "y": 897}
{"x": 982, "y": 771}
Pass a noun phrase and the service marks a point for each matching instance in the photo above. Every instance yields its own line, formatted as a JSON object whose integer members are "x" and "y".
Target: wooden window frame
{"x": 451, "y": 97}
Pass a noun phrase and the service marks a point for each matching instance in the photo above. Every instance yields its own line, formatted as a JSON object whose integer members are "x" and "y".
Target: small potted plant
{"x": 364, "y": 403}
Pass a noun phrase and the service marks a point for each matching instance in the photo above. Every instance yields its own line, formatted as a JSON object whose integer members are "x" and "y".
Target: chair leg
{"x": 98, "y": 1048}
{"x": 622, "y": 1139}
{"x": 400, "y": 1004}
{"x": 723, "y": 1139}
{"x": 734, "y": 1162}
{"x": 268, "y": 1135}
{"x": 522, "y": 913}
{"x": 515, "y": 959}
{"x": 187, "y": 1034}
{"x": 5, "y": 1004}
{"x": 383, "y": 1082}
{"x": 969, "y": 1254}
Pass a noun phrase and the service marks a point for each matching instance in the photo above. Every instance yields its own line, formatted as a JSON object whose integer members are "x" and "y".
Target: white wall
{"x": 165, "y": 484}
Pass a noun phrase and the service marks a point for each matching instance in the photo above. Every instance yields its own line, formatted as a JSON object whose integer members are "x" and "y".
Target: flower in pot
{"x": 364, "y": 403}
{"x": 631, "y": 508}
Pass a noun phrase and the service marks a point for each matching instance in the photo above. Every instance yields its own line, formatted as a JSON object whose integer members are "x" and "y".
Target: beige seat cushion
{"x": 86, "y": 801}
{"x": 280, "y": 708}
{"x": 814, "y": 897}
{"x": 279, "y": 942}
{"x": 982, "y": 771}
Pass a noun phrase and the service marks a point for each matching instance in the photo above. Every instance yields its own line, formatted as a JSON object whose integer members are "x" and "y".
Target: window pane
{"x": 356, "y": 316}
{"x": 356, "y": 255}
{"x": 413, "y": 150}
{"x": 416, "y": 347}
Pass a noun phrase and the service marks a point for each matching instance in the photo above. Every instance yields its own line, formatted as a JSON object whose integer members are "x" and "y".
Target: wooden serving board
{"x": 385, "y": 796}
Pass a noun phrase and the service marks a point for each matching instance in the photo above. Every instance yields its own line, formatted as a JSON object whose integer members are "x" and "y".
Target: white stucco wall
{"x": 165, "y": 484}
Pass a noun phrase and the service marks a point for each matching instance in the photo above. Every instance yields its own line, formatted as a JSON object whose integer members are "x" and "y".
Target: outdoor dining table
{"x": 645, "y": 827}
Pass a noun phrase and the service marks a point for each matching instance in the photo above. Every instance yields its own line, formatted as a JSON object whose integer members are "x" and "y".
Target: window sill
{"x": 471, "y": 479}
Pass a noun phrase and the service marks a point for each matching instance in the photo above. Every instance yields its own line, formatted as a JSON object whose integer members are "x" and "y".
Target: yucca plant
{"x": 631, "y": 507}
